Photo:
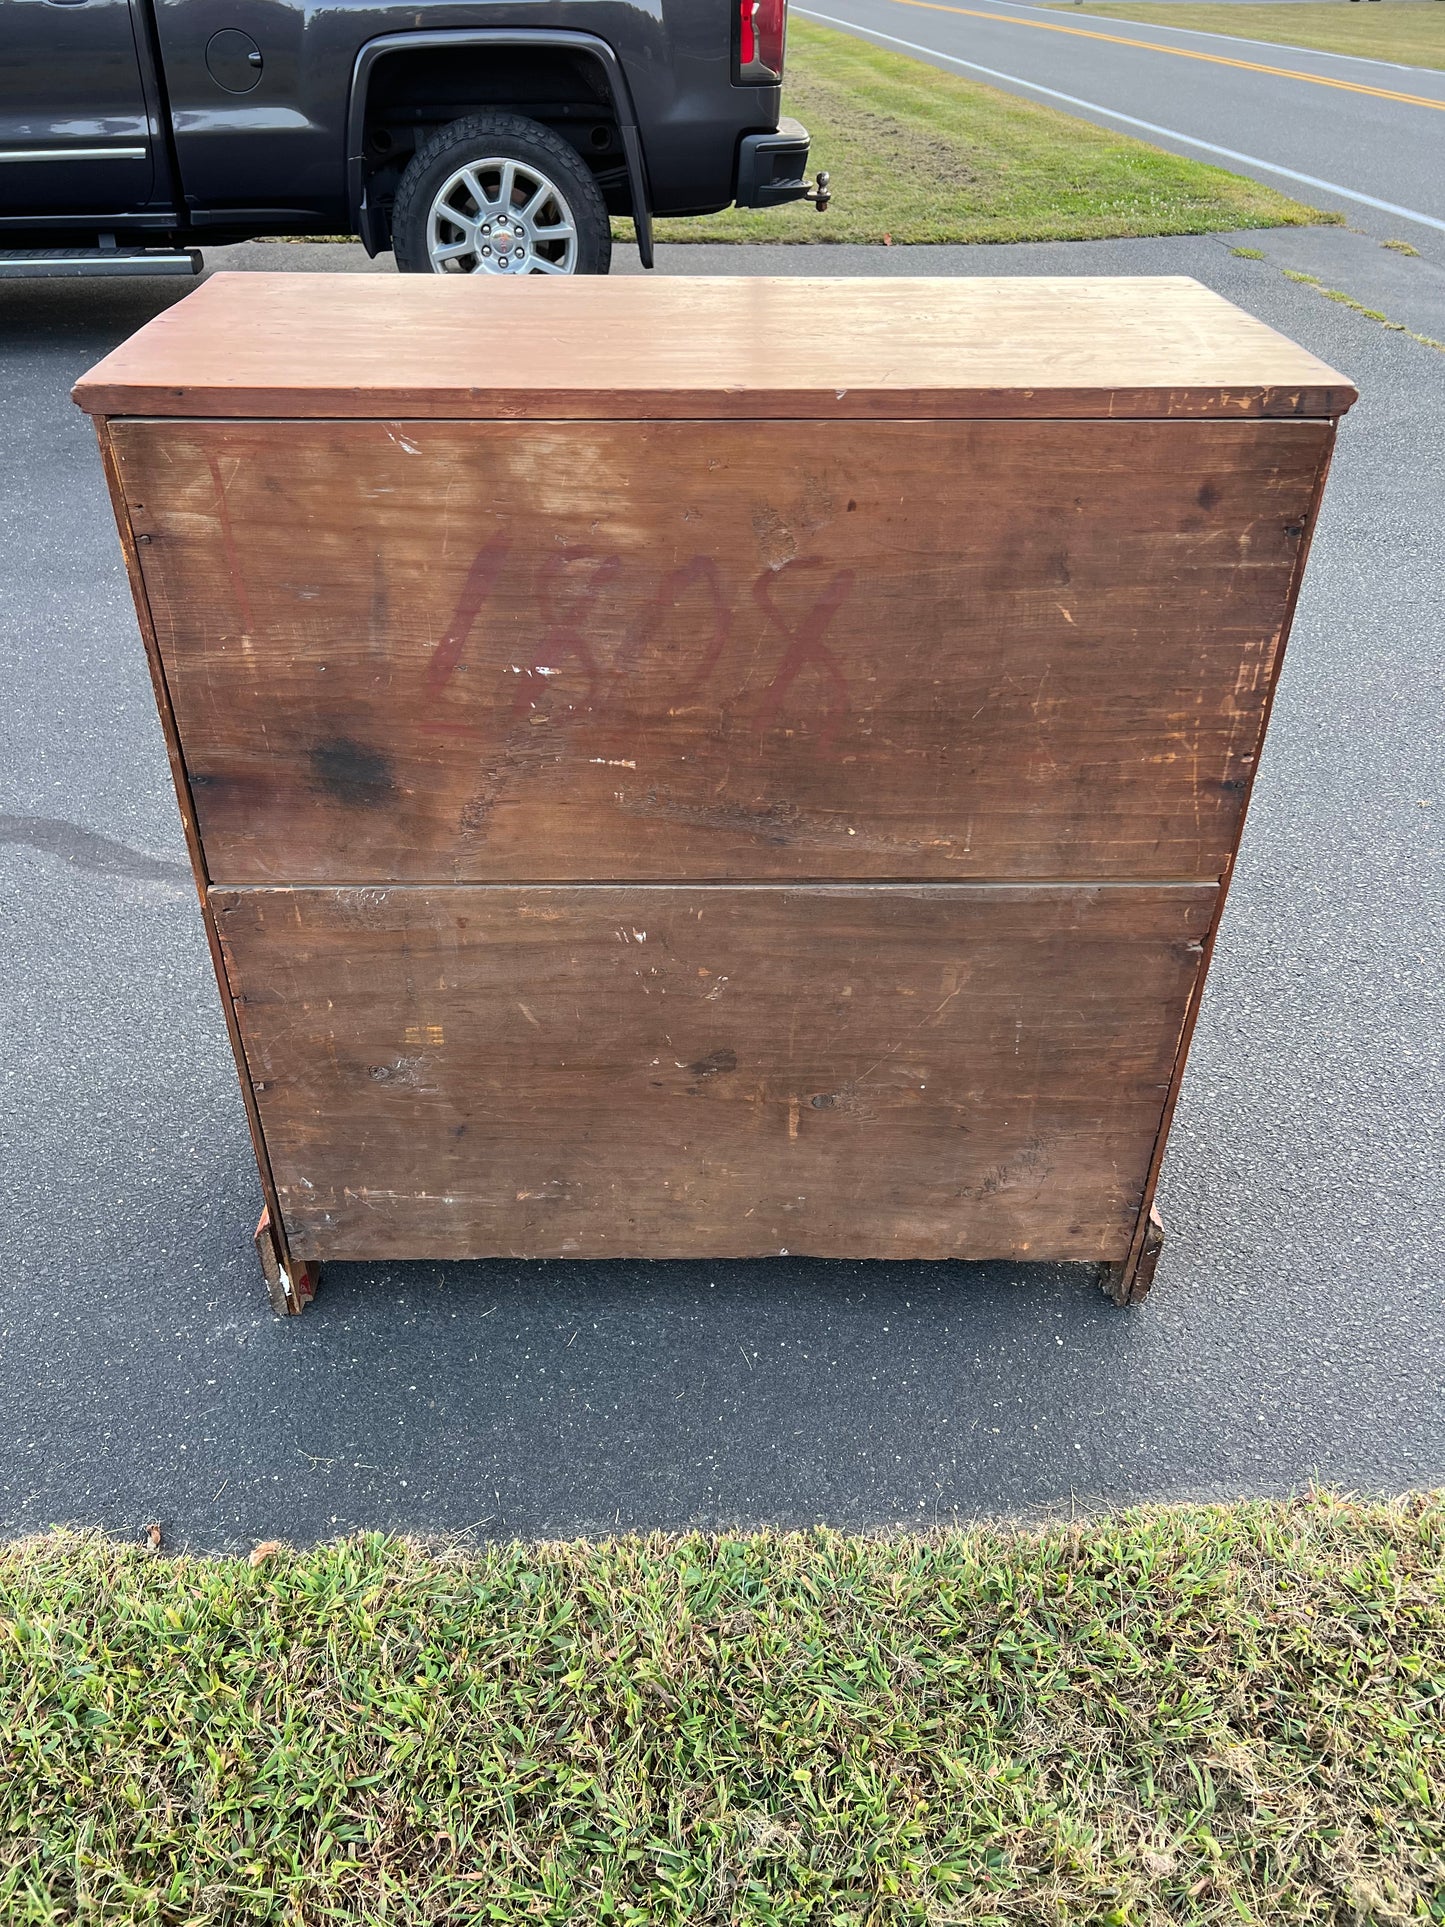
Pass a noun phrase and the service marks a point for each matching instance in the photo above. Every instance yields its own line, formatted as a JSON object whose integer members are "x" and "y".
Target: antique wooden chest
{"x": 712, "y": 767}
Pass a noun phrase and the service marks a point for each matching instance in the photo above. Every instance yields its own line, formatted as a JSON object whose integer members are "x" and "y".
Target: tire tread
{"x": 413, "y": 194}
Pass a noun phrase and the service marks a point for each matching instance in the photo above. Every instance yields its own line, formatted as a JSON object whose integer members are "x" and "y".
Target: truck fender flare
{"x": 366, "y": 220}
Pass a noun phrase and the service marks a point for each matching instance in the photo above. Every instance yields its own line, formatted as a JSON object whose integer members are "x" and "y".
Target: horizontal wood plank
{"x": 479, "y": 651}
{"x": 732, "y": 347}
{"x": 887, "y": 1071}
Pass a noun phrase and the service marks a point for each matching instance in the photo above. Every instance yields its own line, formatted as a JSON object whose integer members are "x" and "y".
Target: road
{"x": 1360, "y": 137}
{"x": 1298, "y": 1328}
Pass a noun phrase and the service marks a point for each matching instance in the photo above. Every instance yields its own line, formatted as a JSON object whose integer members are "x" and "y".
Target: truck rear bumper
{"x": 773, "y": 168}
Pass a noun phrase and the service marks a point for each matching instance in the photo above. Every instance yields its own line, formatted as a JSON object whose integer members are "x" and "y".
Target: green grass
{"x": 1358, "y": 307}
{"x": 919, "y": 155}
{"x": 1229, "y": 1714}
{"x": 1412, "y": 31}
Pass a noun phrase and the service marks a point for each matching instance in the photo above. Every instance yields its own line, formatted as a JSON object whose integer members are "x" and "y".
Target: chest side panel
{"x": 473, "y": 651}
{"x": 877, "y": 1071}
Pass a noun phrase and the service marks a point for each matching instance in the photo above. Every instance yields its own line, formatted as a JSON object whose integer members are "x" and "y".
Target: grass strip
{"x": 1181, "y": 1715}
{"x": 919, "y": 155}
{"x": 1410, "y": 31}
{"x": 1349, "y": 301}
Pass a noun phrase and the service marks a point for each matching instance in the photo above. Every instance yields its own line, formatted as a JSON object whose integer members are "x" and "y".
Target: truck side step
{"x": 21, "y": 263}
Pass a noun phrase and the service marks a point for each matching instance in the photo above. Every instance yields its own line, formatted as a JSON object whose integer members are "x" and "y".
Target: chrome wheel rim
{"x": 501, "y": 216}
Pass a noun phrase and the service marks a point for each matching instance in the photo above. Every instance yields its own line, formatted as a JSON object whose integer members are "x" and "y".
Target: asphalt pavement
{"x": 1297, "y": 1330}
{"x": 1359, "y": 137}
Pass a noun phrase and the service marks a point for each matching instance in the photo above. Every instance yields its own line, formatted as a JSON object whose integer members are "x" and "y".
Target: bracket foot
{"x": 1128, "y": 1284}
{"x": 290, "y": 1286}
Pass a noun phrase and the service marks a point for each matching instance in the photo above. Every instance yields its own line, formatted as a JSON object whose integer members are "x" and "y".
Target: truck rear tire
{"x": 499, "y": 194}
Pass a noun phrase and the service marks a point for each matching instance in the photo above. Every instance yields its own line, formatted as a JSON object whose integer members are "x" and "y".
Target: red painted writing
{"x": 481, "y": 580}
{"x": 700, "y": 573}
{"x": 691, "y": 603}
{"x": 806, "y": 648}
{"x": 570, "y": 579}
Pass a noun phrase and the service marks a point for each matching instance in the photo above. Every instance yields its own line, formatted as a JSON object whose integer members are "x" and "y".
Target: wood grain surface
{"x": 457, "y": 652}
{"x": 270, "y": 1202}
{"x": 476, "y": 345}
{"x": 877, "y": 1071}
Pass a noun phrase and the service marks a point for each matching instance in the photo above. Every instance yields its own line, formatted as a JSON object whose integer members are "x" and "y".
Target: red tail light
{"x": 762, "y": 34}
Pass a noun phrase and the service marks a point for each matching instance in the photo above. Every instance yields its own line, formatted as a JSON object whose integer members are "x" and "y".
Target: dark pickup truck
{"x": 469, "y": 136}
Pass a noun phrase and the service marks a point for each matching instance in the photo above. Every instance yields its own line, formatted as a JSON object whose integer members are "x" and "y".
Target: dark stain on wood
{"x": 356, "y": 776}
{"x": 715, "y": 1063}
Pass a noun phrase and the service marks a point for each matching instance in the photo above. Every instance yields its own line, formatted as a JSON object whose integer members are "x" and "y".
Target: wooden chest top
{"x": 476, "y": 346}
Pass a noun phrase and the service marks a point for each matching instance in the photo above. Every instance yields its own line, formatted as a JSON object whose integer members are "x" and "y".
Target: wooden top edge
{"x": 1196, "y": 889}
{"x": 1001, "y": 405}
{"x": 315, "y": 345}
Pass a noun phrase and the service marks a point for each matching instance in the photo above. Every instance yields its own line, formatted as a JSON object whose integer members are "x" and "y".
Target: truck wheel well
{"x": 413, "y": 93}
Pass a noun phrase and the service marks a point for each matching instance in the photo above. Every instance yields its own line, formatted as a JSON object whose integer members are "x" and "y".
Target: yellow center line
{"x": 1184, "y": 53}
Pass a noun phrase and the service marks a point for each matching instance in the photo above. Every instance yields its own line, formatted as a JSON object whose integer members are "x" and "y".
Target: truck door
{"x": 75, "y": 137}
